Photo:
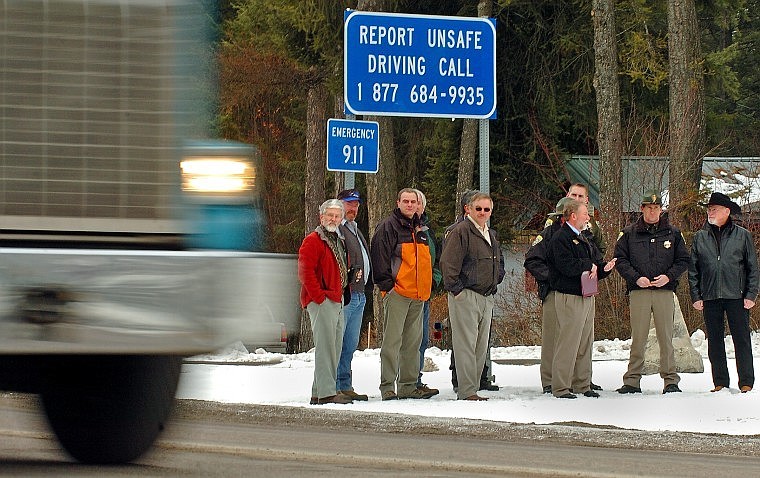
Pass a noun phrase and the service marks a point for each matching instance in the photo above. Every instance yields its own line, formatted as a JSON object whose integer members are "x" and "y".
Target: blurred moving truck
{"x": 126, "y": 231}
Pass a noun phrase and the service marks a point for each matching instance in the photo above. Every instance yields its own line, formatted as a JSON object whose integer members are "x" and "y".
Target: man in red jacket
{"x": 323, "y": 275}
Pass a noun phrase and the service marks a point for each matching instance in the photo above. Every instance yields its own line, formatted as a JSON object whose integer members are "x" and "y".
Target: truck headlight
{"x": 217, "y": 175}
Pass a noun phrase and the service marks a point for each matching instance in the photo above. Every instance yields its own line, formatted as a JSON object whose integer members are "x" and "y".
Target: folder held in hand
{"x": 589, "y": 286}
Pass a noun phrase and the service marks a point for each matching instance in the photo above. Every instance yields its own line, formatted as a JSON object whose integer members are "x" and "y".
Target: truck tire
{"x": 110, "y": 409}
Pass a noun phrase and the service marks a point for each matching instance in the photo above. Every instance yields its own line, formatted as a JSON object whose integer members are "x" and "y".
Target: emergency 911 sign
{"x": 419, "y": 65}
{"x": 353, "y": 146}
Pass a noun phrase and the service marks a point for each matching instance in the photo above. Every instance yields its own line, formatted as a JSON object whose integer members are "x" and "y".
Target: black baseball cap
{"x": 349, "y": 195}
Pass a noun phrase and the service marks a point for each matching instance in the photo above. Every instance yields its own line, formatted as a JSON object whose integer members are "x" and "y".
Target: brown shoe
{"x": 418, "y": 393}
{"x": 718, "y": 388}
{"x": 428, "y": 390}
{"x": 389, "y": 395}
{"x": 313, "y": 400}
{"x": 476, "y": 398}
{"x": 339, "y": 398}
{"x": 355, "y": 396}
{"x": 745, "y": 388}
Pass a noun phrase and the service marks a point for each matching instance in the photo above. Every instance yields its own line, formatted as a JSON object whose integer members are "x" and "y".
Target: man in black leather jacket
{"x": 724, "y": 280}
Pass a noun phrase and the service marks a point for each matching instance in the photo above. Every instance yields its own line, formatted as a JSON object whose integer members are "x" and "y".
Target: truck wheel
{"x": 110, "y": 409}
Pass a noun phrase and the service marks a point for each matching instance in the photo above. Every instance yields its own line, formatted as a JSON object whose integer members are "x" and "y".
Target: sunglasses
{"x": 486, "y": 209}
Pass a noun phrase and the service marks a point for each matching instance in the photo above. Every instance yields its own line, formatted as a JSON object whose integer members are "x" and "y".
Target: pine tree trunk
{"x": 314, "y": 189}
{"x": 382, "y": 189}
{"x": 687, "y": 109}
{"x": 609, "y": 139}
{"x": 316, "y": 142}
{"x": 609, "y": 136}
{"x": 468, "y": 149}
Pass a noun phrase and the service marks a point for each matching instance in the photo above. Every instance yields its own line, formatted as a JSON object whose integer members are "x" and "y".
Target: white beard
{"x": 330, "y": 227}
{"x": 711, "y": 221}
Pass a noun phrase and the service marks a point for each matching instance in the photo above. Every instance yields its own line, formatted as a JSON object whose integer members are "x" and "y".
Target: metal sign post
{"x": 349, "y": 178}
{"x": 483, "y": 156}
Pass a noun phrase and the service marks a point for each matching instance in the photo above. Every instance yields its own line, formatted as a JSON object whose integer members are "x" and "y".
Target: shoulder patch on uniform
{"x": 548, "y": 222}
{"x": 537, "y": 240}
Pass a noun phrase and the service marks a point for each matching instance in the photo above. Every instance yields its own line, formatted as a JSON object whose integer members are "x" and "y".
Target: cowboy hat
{"x": 720, "y": 199}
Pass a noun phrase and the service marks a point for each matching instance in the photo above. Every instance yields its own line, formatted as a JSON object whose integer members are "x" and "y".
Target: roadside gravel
{"x": 561, "y": 433}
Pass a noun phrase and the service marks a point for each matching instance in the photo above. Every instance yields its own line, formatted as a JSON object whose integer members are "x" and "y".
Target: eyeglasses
{"x": 486, "y": 209}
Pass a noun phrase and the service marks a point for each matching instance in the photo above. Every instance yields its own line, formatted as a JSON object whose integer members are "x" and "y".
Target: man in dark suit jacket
{"x": 571, "y": 255}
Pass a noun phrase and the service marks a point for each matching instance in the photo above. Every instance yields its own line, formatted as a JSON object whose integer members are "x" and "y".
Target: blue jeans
{"x": 353, "y": 313}
{"x": 425, "y": 338}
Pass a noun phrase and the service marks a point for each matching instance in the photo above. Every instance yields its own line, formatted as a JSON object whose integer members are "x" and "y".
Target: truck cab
{"x": 127, "y": 230}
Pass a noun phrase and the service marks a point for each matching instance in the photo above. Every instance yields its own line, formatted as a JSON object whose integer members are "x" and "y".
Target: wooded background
{"x": 679, "y": 78}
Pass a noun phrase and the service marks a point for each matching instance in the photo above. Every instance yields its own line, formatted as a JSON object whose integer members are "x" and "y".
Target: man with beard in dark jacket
{"x": 724, "y": 279}
{"x": 359, "y": 273}
{"x": 651, "y": 256}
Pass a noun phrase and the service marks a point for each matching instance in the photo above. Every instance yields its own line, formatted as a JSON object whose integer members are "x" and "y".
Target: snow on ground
{"x": 278, "y": 379}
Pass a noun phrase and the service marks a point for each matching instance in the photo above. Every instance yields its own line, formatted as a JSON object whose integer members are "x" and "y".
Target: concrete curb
{"x": 271, "y": 361}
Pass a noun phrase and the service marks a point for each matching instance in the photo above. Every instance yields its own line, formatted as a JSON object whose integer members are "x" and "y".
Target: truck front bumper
{"x": 139, "y": 302}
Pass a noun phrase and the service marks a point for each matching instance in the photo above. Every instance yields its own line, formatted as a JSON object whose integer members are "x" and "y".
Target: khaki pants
{"x": 470, "y": 317}
{"x": 400, "y": 350}
{"x": 327, "y": 329}
{"x": 548, "y": 335}
{"x": 645, "y": 304}
{"x": 571, "y": 366}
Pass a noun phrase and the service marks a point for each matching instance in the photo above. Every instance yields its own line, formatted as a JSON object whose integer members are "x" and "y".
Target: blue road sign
{"x": 419, "y": 65}
{"x": 353, "y": 146}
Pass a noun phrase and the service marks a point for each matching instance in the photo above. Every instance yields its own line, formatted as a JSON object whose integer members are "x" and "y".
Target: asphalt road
{"x": 210, "y": 439}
